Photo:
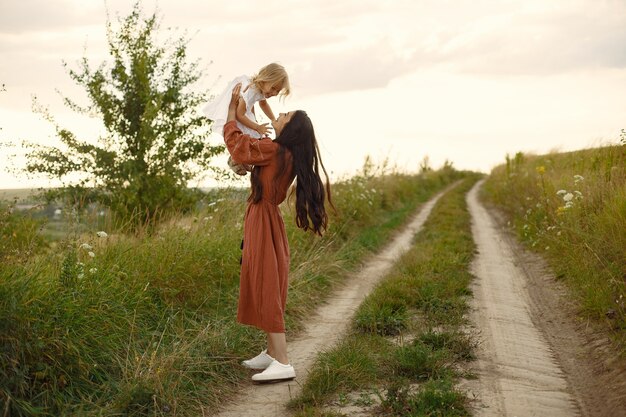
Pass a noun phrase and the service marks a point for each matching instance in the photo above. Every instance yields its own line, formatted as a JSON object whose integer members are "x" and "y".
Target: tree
{"x": 155, "y": 141}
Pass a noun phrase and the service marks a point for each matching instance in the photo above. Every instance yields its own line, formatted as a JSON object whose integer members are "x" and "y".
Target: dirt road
{"x": 518, "y": 375}
{"x": 535, "y": 358}
{"x": 326, "y": 327}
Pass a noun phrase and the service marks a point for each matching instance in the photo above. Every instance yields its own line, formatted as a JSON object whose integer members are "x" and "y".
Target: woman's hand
{"x": 234, "y": 100}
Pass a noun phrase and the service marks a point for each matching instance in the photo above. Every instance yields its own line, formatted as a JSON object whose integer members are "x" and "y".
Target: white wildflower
{"x": 569, "y": 204}
{"x": 86, "y": 246}
{"x": 93, "y": 270}
{"x": 102, "y": 234}
{"x": 579, "y": 195}
{"x": 561, "y": 192}
{"x": 212, "y": 203}
{"x": 81, "y": 276}
{"x": 558, "y": 233}
{"x": 91, "y": 254}
{"x": 578, "y": 178}
{"x": 568, "y": 197}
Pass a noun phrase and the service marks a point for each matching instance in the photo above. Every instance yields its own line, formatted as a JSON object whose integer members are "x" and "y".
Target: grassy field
{"x": 145, "y": 324}
{"x": 407, "y": 346}
{"x": 17, "y": 194}
{"x": 571, "y": 207}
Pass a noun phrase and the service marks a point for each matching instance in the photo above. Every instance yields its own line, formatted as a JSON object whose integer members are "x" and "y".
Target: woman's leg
{"x": 277, "y": 347}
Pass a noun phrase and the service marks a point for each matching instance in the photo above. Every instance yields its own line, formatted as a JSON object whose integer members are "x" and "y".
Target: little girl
{"x": 271, "y": 80}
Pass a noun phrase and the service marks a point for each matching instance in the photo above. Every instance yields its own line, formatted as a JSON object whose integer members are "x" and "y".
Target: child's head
{"x": 272, "y": 80}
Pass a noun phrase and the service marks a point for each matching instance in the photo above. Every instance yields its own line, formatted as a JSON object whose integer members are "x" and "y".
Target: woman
{"x": 265, "y": 260}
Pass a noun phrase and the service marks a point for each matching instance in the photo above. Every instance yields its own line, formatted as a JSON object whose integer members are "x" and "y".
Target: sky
{"x": 396, "y": 80}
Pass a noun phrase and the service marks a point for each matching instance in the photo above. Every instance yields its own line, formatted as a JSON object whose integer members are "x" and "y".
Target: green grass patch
{"x": 571, "y": 208}
{"x": 407, "y": 334}
{"x": 435, "y": 398}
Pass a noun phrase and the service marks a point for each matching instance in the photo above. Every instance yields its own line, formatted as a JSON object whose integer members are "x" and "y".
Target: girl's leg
{"x": 277, "y": 347}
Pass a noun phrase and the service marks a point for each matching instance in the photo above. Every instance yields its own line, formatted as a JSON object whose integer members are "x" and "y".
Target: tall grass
{"x": 571, "y": 207}
{"x": 145, "y": 324}
{"x": 19, "y": 234}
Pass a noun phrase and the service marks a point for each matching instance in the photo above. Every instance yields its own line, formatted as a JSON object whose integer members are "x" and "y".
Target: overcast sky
{"x": 467, "y": 81}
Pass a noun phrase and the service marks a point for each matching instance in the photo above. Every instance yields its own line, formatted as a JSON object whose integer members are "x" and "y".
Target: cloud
{"x": 350, "y": 69}
{"x": 536, "y": 42}
{"x": 24, "y": 16}
{"x": 333, "y": 46}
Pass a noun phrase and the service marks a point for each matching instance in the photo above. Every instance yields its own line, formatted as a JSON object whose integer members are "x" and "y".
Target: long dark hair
{"x": 298, "y": 137}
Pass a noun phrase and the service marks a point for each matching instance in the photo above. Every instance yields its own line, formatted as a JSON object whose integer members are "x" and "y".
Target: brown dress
{"x": 265, "y": 260}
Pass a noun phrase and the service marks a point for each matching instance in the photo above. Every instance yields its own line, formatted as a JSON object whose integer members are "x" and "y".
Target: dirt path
{"x": 326, "y": 326}
{"x": 535, "y": 358}
{"x": 518, "y": 373}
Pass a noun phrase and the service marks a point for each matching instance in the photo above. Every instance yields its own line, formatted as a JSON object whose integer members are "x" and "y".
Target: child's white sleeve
{"x": 217, "y": 109}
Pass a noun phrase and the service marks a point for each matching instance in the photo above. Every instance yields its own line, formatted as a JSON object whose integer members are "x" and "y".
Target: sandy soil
{"x": 535, "y": 357}
{"x": 326, "y": 327}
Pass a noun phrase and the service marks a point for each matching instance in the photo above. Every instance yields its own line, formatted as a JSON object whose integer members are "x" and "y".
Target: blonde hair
{"x": 274, "y": 74}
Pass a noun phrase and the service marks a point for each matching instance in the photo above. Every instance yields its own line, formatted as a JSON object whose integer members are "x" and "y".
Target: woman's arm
{"x": 234, "y": 101}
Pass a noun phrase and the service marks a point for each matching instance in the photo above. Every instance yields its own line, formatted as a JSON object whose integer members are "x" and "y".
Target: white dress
{"x": 217, "y": 109}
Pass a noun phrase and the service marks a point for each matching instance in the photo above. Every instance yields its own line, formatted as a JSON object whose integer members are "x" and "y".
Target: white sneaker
{"x": 260, "y": 361}
{"x": 275, "y": 372}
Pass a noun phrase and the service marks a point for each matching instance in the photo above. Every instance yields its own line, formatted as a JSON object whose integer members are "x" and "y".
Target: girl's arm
{"x": 267, "y": 109}
{"x": 243, "y": 119}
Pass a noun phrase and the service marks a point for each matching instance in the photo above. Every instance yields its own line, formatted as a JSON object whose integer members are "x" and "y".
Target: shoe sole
{"x": 274, "y": 381}
{"x": 254, "y": 369}
{"x": 260, "y": 368}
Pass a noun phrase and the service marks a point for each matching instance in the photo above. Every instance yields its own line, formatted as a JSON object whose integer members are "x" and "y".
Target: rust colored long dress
{"x": 265, "y": 260}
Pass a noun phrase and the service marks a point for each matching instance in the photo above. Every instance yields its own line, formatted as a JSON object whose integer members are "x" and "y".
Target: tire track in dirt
{"x": 327, "y": 325}
{"x": 518, "y": 373}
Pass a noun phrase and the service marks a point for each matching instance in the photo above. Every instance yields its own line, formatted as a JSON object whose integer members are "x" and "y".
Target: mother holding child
{"x": 294, "y": 154}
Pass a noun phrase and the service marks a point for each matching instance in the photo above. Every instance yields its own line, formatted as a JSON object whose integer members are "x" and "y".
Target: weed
{"x": 384, "y": 317}
{"x": 419, "y": 361}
